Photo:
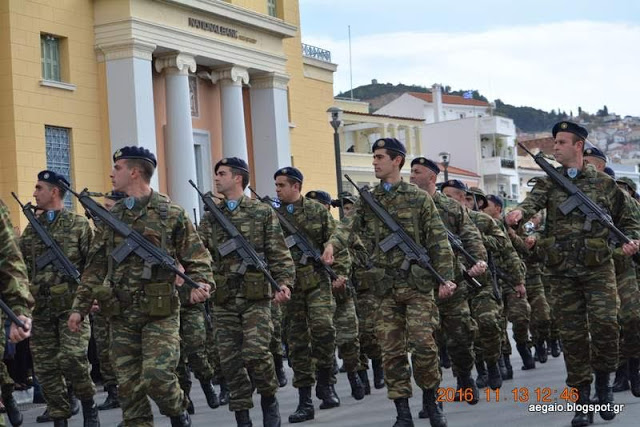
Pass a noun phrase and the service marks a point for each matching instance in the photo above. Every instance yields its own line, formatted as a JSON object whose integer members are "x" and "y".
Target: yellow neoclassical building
{"x": 191, "y": 80}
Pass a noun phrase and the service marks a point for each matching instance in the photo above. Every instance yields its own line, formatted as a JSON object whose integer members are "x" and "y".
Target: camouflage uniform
{"x": 58, "y": 352}
{"x": 407, "y": 311}
{"x": 14, "y": 285}
{"x": 102, "y": 336}
{"x": 581, "y": 271}
{"x": 144, "y": 305}
{"x": 242, "y": 303}
{"x": 345, "y": 320}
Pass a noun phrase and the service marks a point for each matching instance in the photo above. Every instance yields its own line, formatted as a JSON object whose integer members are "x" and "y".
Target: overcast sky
{"x": 544, "y": 54}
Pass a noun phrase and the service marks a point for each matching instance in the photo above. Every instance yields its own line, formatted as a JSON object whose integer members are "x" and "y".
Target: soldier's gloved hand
{"x": 283, "y": 296}
{"x": 521, "y": 292}
{"x": 339, "y": 284}
{"x": 630, "y": 248}
{"x": 446, "y": 289}
{"x": 201, "y": 294}
{"x": 530, "y": 241}
{"x": 17, "y": 334}
{"x": 327, "y": 255}
{"x": 75, "y": 322}
{"x": 478, "y": 269}
{"x": 513, "y": 217}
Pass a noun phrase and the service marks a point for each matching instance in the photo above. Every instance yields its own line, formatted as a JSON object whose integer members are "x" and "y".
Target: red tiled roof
{"x": 383, "y": 115}
{"x": 543, "y": 144}
{"x": 458, "y": 171}
{"x": 450, "y": 99}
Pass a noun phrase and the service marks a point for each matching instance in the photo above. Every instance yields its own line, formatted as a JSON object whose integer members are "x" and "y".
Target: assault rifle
{"x": 413, "y": 252}
{"x": 53, "y": 254}
{"x": 296, "y": 238}
{"x": 457, "y": 246}
{"x": 237, "y": 242}
{"x": 134, "y": 242}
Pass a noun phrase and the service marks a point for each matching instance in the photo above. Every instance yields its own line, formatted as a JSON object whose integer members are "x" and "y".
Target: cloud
{"x": 557, "y": 65}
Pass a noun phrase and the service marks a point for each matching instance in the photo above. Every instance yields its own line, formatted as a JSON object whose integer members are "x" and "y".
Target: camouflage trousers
{"x": 540, "y": 312}
{"x": 193, "y": 335}
{"x": 311, "y": 333}
{"x": 243, "y": 330}
{"x": 275, "y": 346}
{"x": 145, "y": 352}
{"x": 102, "y": 337}
{"x": 367, "y": 308}
{"x": 586, "y": 309}
{"x": 211, "y": 348}
{"x": 458, "y": 330}
{"x": 629, "y": 308}
{"x": 57, "y": 354}
{"x": 518, "y": 312}
{"x": 486, "y": 311}
{"x": 345, "y": 320}
{"x": 408, "y": 318}
{"x": 554, "y": 327}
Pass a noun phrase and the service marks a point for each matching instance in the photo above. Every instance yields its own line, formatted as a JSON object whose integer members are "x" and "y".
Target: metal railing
{"x": 508, "y": 163}
{"x": 316, "y": 53}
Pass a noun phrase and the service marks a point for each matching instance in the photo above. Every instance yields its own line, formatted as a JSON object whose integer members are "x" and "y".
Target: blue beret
{"x": 289, "y": 171}
{"x": 455, "y": 183}
{"x": 495, "y": 199}
{"x": 133, "y": 152}
{"x": 319, "y": 195}
{"x": 595, "y": 152}
{"x": 571, "y": 128}
{"x": 52, "y": 178}
{"x": 610, "y": 172}
{"x": 232, "y": 162}
{"x": 423, "y": 161}
{"x": 115, "y": 195}
{"x": 390, "y": 144}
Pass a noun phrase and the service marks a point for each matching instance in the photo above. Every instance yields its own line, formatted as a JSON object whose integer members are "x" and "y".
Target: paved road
{"x": 377, "y": 410}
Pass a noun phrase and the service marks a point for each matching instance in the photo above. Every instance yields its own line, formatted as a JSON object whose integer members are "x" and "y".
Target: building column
{"x": 179, "y": 152}
{"x": 408, "y": 140}
{"x": 234, "y": 134}
{"x": 130, "y": 95}
{"x": 418, "y": 141}
{"x": 270, "y": 123}
{"x": 393, "y": 130}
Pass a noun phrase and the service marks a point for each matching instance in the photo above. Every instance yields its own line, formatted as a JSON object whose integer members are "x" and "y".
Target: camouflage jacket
{"x": 317, "y": 224}
{"x": 415, "y": 211}
{"x": 164, "y": 224}
{"x": 532, "y": 257}
{"x": 260, "y": 226}
{"x": 73, "y": 234}
{"x": 569, "y": 248}
{"x": 14, "y": 285}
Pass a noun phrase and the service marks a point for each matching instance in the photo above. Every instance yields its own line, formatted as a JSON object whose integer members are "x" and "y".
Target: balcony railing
{"x": 508, "y": 163}
{"x": 316, "y": 53}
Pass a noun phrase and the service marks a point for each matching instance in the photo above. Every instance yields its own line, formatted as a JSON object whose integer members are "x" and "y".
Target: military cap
{"x": 570, "y": 127}
{"x": 423, "y": 161}
{"x": 289, "y": 171}
{"x": 628, "y": 182}
{"x": 232, "y": 162}
{"x": 610, "y": 172}
{"x": 390, "y": 144}
{"x": 52, "y": 177}
{"x": 595, "y": 152}
{"x": 455, "y": 183}
{"x": 495, "y": 199}
{"x": 348, "y": 198}
{"x": 479, "y": 196}
{"x": 319, "y": 195}
{"x": 115, "y": 195}
{"x": 133, "y": 152}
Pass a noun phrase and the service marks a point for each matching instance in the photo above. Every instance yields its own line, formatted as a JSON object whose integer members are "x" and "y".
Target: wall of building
{"x": 460, "y": 138}
{"x": 404, "y": 106}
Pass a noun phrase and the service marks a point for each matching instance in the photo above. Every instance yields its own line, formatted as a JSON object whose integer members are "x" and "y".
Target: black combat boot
{"x": 60, "y": 422}
{"x": 270, "y": 411}
{"x": 621, "y": 382}
{"x": 45, "y": 417}
{"x": 210, "y": 394}
{"x": 582, "y": 419}
{"x": 403, "y": 419}
{"x": 282, "y": 377}
{"x": 423, "y": 412}
{"x": 503, "y": 368}
{"x": 378, "y": 373}
{"x": 243, "y": 419}
{"x": 527, "y": 358}
{"x": 434, "y": 409}
{"x": 634, "y": 375}
{"x": 541, "y": 351}
{"x": 555, "y": 347}
{"x": 357, "y": 389}
{"x": 304, "y": 411}
{"x": 482, "y": 379}
{"x": 507, "y": 364}
{"x": 494, "y": 378}
{"x": 466, "y": 382}
{"x": 13, "y": 412}
{"x": 182, "y": 420}
{"x": 191, "y": 409}
{"x": 111, "y": 402}
{"x": 325, "y": 391}
{"x": 604, "y": 394}
{"x": 90, "y": 413}
{"x": 364, "y": 379}
{"x": 224, "y": 392}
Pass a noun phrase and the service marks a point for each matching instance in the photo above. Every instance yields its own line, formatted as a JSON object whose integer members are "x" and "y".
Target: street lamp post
{"x": 445, "y": 158}
{"x": 335, "y": 122}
